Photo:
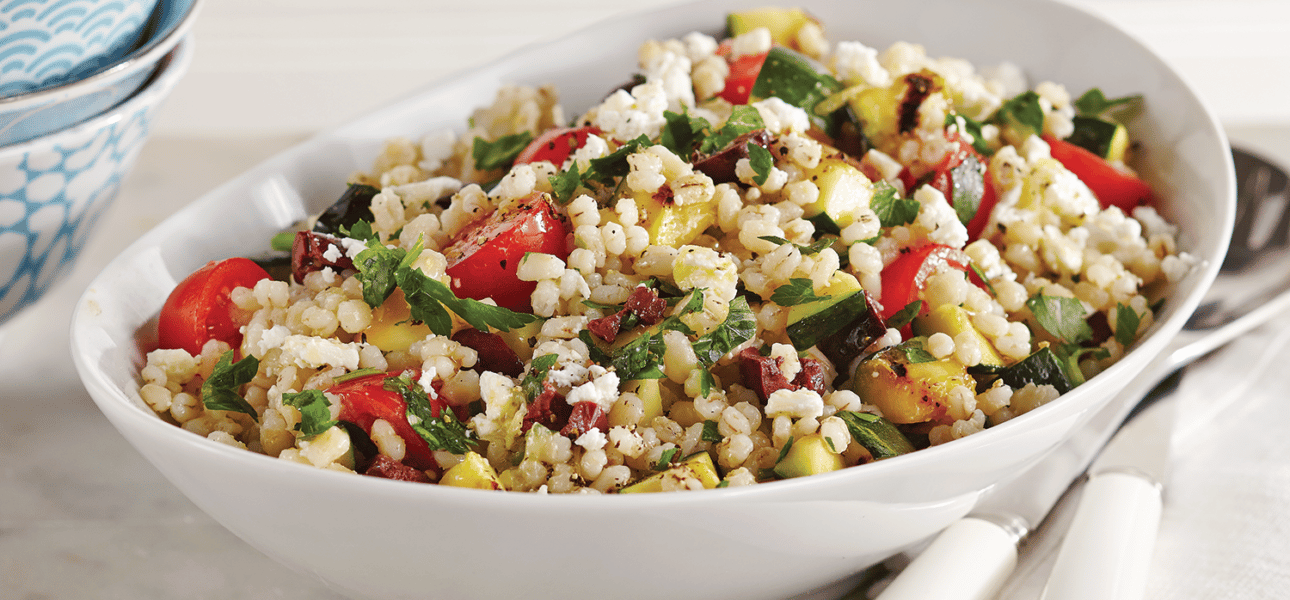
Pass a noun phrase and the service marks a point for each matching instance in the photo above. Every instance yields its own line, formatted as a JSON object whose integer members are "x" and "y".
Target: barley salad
{"x": 766, "y": 256}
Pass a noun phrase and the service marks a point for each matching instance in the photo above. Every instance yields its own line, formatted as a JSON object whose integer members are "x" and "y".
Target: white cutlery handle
{"x": 1107, "y": 551}
{"x": 970, "y": 560}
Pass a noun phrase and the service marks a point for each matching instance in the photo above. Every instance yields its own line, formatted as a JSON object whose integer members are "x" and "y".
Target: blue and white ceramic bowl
{"x": 49, "y": 42}
{"x": 53, "y": 189}
{"x": 30, "y": 115}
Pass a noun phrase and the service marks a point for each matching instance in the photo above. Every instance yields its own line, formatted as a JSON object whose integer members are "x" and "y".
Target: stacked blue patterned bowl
{"x": 80, "y": 83}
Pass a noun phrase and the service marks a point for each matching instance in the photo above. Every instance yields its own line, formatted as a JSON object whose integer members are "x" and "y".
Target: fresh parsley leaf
{"x": 892, "y": 211}
{"x": 971, "y": 127}
{"x": 444, "y": 432}
{"x": 607, "y": 168}
{"x": 761, "y": 162}
{"x": 355, "y": 375}
{"x": 1094, "y": 103}
{"x": 283, "y": 241}
{"x": 724, "y": 483}
{"x": 640, "y": 358}
{"x": 682, "y": 132}
{"x": 361, "y": 230}
{"x": 905, "y": 315}
{"x": 221, "y": 391}
{"x": 315, "y": 414}
{"x": 429, "y": 298}
{"x": 565, "y": 184}
{"x": 532, "y": 384}
{"x": 739, "y": 327}
{"x": 499, "y": 153}
{"x": 986, "y": 280}
{"x": 813, "y": 248}
{"x": 743, "y": 119}
{"x": 706, "y": 383}
{"x": 594, "y": 352}
{"x": 796, "y": 291}
{"x": 916, "y": 353}
{"x": 784, "y": 451}
{"x": 665, "y": 459}
{"x": 1023, "y": 114}
{"x": 376, "y": 266}
{"x": 710, "y": 433}
{"x": 969, "y": 187}
{"x": 1062, "y": 317}
{"x": 1126, "y": 325}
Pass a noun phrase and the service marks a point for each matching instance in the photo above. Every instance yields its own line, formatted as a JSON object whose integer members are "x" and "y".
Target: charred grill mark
{"x": 664, "y": 195}
{"x": 917, "y": 88}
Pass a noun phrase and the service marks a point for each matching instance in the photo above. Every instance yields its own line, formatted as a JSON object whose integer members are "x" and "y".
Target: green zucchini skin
{"x": 794, "y": 79}
{"x": 1098, "y": 136}
{"x": 878, "y": 435}
{"x": 842, "y": 330}
{"x": 1042, "y": 367}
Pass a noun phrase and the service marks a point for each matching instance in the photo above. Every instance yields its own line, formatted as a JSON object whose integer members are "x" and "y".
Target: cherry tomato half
{"x": 743, "y": 74}
{"x": 1112, "y": 186}
{"x": 942, "y": 178}
{"x": 198, "y": 309}
{"x": 483, "y": 258}
{"x": 555, "y": 145}
{"x": 365, "y": 399}
{"x": 905, "y": 277}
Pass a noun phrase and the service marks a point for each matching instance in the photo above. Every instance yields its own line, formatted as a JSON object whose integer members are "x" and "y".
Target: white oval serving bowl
{"x": 382, "y": 539}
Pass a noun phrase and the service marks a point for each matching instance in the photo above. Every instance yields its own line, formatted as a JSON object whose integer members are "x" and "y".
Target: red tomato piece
{"x": 1112, "y": 186}
{"x": 905, "y": 277}
{"x": 555, "y": 145}
{"x": 199, "y": 308}
{"x": 941, "y": 178}
{"x": 365, "y": 399}
{"x": 483, "y": 258}
{"x": 989, "y": 199}
{"x": 743, "y": 74}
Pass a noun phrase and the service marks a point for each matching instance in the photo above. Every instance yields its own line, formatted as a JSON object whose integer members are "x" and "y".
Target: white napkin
{"x": 1225, "y": 532}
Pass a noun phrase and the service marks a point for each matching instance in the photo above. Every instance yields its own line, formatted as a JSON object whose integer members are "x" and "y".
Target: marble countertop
{"x": 82, "y": 515}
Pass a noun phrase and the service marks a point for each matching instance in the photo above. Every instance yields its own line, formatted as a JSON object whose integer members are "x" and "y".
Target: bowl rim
{"x": 158, "y": 44}
{"x": 121, "y": 405}
{"x": 180, "y": 55}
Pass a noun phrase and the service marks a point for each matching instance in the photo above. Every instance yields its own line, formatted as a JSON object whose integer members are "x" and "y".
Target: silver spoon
{"x": 1253, "y": 284}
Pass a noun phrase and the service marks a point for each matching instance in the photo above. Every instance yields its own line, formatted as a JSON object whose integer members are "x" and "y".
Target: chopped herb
{"x": 614, "y": 165}
{"x": 981, "y": 275}
{"x": 743, "y": 119}
{"x": 538, "y": 369}
{"x": 968, "y": 180}
{"x": 608, "y": 308}
{"x": 428, "y": 299}
{"x": 283, "y": 241}
{"x": 724, "y": 483}
{"x": 892, "y": 211}
{"x": 1094, "y": 104}
{"x": 761, "y": 162}
{"x": 640, "y": 358}
{"x": 361, "y": 230}
{"x": 813, "y": 248}
{"x": 710, "y": 433}
{"x": 706, "y": 383}
{"x": 1126, "y": 325}
{"x": 784, "y": 451}
{"x": 796, "y": 291}
{"x": 355, "y": 375}
{"x": 221, "y": 390}
{"x": 905, "y": 315}
{"x": 499, "y": 153}
{"x": 376, "y": 266}
{"x": 1023, "y": 114}
{"x": 565, "y": 183}
{"x": 665, "y": 459}
{"x": 315, "y": 414}
{"x": 916, "y": 352}
{"x": 971, "y": 127}
{"x": 739, "y": 327}
{"x": 682, "y": 132}
{"x": 444, "y": 432}
{"x": 1064, "y": 318}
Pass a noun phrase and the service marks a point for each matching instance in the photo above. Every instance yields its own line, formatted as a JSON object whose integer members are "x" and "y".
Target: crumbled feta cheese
{"x": 272, "y": 338}
{"x": 426, "y": 381}
{"x": 333, "y": 253}
{"x": 939, "y": 219}
{"x": 751, "y": 43}
{"x": 314, "y": 352}
{"x": 353, "y": 246}
{"x": 857, "y": 63}
{"x": 625, "y": 116}
{"x": 602, "y": 389}
{"x": 797, "y": 404}
{"x": 782, "y": 117}
{"x": 592, "y": 439}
